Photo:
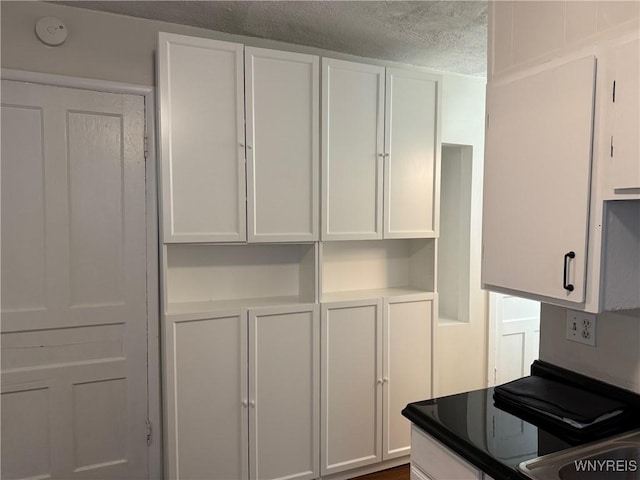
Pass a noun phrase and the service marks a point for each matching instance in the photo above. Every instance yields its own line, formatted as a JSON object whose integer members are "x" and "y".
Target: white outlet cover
{"x": 581, "y": 327}
{"x": 51, "y": 31}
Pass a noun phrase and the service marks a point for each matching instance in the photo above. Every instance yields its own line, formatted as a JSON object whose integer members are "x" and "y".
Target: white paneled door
{"x": 74, "y": 340}
{"x": 517, "y": 336}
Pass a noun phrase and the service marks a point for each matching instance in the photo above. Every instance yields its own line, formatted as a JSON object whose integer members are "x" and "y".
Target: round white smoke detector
{"x": 51, "y": 31}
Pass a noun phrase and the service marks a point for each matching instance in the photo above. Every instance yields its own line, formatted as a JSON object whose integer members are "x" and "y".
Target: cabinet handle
{"x": 567, "y": 256}
{"x": 381, "y": 155}
{"x": 242, "y": 145}
{"x": 387, "y": 154}
{"x": 380, "y": 381}
{"x": 245, "y": 403}
{"x": 252, "y": 403}
{"x": 249, "y": 147}
{"x": 385, "y": 380}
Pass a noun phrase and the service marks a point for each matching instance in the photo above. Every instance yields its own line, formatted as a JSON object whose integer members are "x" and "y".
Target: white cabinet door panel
{"x": 283, "y": 103}
{"x": 206, "y": 395}
{"x": 201, "y": 104}
{"x": 407, "y": 367}
{"x": 351, "y": 385}
{"x": 353, "y": 114}
{"x": 626, "y": 122}
{"x": 537, "y": 181}
{"x": 284, "y": 385}
{"x": 412, "y": 149}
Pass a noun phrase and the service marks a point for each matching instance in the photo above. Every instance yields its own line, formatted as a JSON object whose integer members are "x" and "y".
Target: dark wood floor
{"x": 398, "y": 473}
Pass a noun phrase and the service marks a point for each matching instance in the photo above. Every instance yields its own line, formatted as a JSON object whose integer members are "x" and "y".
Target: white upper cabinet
{"x": 622, "y": 64}
{"x": 282, "y": 111}
{"x": 537, "y": 181}
{"x": 207, "y": 196}
{"x": 353, "y": 150}
{"x": 380, "y": 152}
{"x": 201, "y": 101}
{"x": 412, "y": 147}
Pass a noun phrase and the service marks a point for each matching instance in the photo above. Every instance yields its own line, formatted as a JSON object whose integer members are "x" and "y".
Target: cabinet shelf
{"x": 358, "y": 270}
{"x": 201, "y": 310}
{"x": 209, "y": 278}
{"x": 347, "y": 296}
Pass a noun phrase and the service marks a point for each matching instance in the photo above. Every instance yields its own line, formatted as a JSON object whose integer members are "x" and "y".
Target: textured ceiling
{"x": 445, "y": 35}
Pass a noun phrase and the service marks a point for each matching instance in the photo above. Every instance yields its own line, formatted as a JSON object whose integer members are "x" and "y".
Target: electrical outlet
{"x": 581, "y": 327}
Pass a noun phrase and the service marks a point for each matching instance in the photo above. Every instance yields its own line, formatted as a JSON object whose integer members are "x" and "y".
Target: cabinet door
{"x": 206, "y": 397}
{"x": 537, "y": 181}
{"x": 283, "y": 103}
{"x": 284, "y": 392}
{"x": 625, "y": 171}
{"x": 406, "y": 367}
{"x": 202, "y": 132}
{"x": 412, "y": 154}
{"x": 351, "y": 385}
{"x": 352, "y": 150}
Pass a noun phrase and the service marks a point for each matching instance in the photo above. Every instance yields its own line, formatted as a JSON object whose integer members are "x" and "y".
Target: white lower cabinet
{"x": 206, "y": 365}
{"x": 284, "y": 400}
{"x": 376, "y": 357}
{"x": 433, "y": 461}
{"x": 242, "y": 394}
{"x": 406, "y": 369}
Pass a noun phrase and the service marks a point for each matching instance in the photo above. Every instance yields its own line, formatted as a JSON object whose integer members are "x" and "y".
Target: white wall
{"x": 522, "y": 34}
{"x": 616, "y": 357}
{"x": 460, "y": 349}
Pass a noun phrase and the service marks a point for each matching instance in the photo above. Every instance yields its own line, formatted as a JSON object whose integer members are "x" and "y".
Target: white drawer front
{"x": 438, "y": 461}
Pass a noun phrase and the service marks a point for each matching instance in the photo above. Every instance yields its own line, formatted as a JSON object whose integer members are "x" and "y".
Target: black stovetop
{"x": 492, "y": 439}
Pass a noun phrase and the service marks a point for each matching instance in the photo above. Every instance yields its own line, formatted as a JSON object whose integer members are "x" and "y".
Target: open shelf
{"x": 357, "y": 270}
{"x": 209, "y": 278}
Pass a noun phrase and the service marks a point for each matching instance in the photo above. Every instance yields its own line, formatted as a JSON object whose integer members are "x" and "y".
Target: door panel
{"x": 201, "y": 88}
{"x": 282, "y": 92}
{"x": 353, "y": 116}
{"x": 351, "y": 385}
{"x": 206, "y": 395}
{"x": 406, "y": 368}
{"x": 74, "y": 354}
{"x": 517, "y": 322}
{"x": 412, "y": 148}
{"x": 284, "y": 384}
{"x": 625, "y": 173}
{"x": 537, "y": 181}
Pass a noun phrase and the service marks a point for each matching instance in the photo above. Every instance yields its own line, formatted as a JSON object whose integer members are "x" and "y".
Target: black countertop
{"x": 492, "y": 439}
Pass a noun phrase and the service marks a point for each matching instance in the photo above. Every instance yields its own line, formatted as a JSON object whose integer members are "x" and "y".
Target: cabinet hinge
{"x": 614, "y": 92}
{"x": 146, "y": 147}
{"x": 149, "y": 431}
{"x": 611, "y": 146}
